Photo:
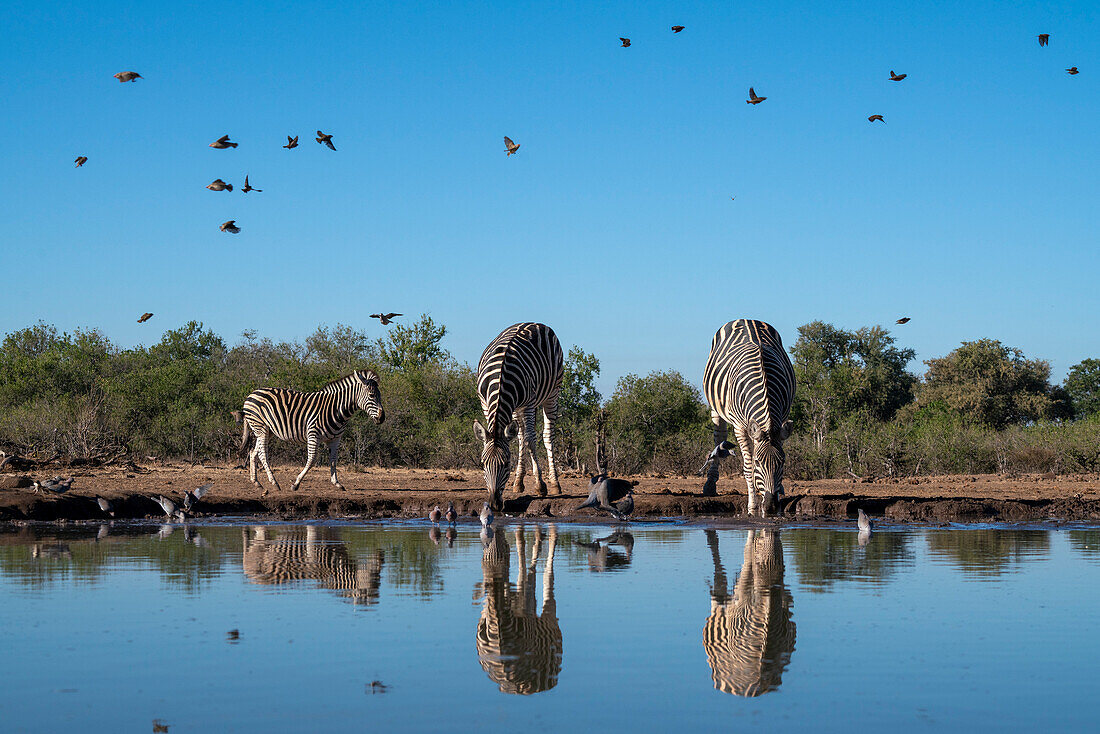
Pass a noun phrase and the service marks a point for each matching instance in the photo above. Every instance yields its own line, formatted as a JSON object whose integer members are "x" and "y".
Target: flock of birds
{"x": 172, "y": 510}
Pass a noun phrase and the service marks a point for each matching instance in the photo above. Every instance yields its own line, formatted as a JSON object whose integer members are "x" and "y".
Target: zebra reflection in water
{"x": 311, "y": 554}
{"x": 519, "y": 648}
{"x": 749, "y": 636}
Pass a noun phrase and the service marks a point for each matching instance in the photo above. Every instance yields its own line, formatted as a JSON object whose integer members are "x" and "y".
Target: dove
{"x": 902, "y": 320}
{"x": 721, "y": 451}
{"x": 872, "y": 118}
{"x": 486, "y": 515}
{"x": 509, "y": 146}
{"x": 230, "y": 226}
{"x": 451, "y": 515}
{"x": 753, "y": 99}
{"x": 145, "y": 317}
{"x": 291, "y": 142}
{"x": 127, "y": 76}
{"x": 896, "y": 77}
{"x": 80, "y": 160}
{"x": 219, "y": 185}
{"x": 248, "y": 187}
{"x": 1072, "y": 71}
{"x": 626, "y": 42}
{"x": 222, "y": 143}
{"x": 190, "y": 497}
{"x": 170, "y": 508}
{"x": 385, "y": 318}
{"x": 325, "y": 140}
{"x": 677, "y": 28}
{"x": 864, "y": 522}
{"x": 57, "y": 485}
{"x": 604, "y": 491}
{"x": 106, "y": 505}
{"x": 1044, "y": 38}
{"x": 435, "y": 515}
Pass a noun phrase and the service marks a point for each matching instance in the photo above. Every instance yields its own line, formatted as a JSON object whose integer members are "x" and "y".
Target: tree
{"x": 646, "y": 410}
{"x": 1083, "y": 387}
{"x": 415, "y": 345}
{"x": 578, "y": 403}
{"x": 843, "y": 374}
{"x": 993, "y": 385}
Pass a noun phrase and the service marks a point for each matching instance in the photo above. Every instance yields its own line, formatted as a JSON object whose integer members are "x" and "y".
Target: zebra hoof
{"x": 710, "y": 489}
{"x": 555, "y": 488}
{"x": 542, "y": 489}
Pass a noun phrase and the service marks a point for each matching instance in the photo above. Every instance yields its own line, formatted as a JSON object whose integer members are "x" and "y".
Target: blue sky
{"x": 973, "y": 210}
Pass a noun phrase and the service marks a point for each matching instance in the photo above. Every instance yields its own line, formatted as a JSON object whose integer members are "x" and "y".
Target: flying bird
{"x": 753, "y": 99}
{"x": 325, "y": 140}
{"x": 192, "y": 496}
{"x": 677, "y": 28}
{"x": 127, "y": 76}
{"x": 721, "y": 451}
{"x": 230, "y": 226}
{"x": 385, "y": 318}
{"x": 106, "y": 505}
{"x": 451, "y": 516}
{"x": 435, "y": 515}
{"x": 80, "y": 160}
{"x": 145, "y": 317}
{"x": 171, "y": 510}
{"x": 291, "y": 142}
{"x": 626, "y": 42}
{"x": 248, "y": 187}
{"x": 896, "y": 77}
{"x": 902, "y": 320}
{"x": 872, "y": 118}
{"x": 1044, "y": 38}
{"x": 1072, "y": 70}
{"x": 509, "y": 146}
{"x": 219, "y": 185}
{"x": 223, "y": 142}
{"x": 486, "y": 515}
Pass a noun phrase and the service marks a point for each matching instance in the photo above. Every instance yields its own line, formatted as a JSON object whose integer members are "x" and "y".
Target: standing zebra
{"x": 311, "y": 418}
{"x": 749, "y": 383}
{"x": 519, "y": 372}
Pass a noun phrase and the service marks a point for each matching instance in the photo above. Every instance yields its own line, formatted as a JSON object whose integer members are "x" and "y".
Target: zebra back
{"x": 521, "y": 367}
{"x": 288, "y": 414}
{"x": 749, "y": 377}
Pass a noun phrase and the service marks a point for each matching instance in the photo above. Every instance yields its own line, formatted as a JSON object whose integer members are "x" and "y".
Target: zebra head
{"x": 768, "y": 459}
{"x": 369, "y": 397}
{"x": 496, "y": 457}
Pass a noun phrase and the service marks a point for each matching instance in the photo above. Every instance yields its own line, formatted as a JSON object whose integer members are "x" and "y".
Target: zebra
{"x": 519, "y": 648}
{"x": 749, "y": 384}
{"x": 749, "y": 637}
{"x": 519, "y": 373}
{"x": 311, "y": 418}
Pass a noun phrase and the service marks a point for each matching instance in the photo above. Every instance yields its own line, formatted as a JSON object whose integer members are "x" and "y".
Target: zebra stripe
{"x": 311, "y": 418}
{"x": 519, "y": 648}
{"x": 750, "y": 637}
{"x": 749, "y": 384}
{"x": 519, "y": 373}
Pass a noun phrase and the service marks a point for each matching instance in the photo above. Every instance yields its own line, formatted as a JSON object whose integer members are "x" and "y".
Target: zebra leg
{"x": 521, "y": 467}
{"x": 333, "y": 452}
{"x": 533, "y": 445}
{"x": 549, "y": 418}
{"x": 710, "y": 487}
{"x": 261, "y": 451}
{"x": 252, "y": 463}
{"x": 314, "y": 443}
{"x": 745, "y": 443}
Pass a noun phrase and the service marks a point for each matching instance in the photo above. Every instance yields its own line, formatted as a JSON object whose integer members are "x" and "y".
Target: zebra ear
{"x": 511, "y": 431}
{"x": 785, "y": 430}
{"x": 479, "y": 431}
{"x": 758, "y": 434}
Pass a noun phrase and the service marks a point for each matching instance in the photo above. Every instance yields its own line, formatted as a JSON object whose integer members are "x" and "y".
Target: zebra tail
{"x": 246, "y": 435}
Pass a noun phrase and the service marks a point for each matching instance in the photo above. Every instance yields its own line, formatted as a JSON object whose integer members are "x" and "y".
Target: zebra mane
{"x": 354, "y": 378}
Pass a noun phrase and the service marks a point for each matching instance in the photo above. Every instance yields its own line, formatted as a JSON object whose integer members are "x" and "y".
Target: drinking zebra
{"x": 749, "y": 383}
{"x": 311, "y": 418}
{"x": 519, "y": 372}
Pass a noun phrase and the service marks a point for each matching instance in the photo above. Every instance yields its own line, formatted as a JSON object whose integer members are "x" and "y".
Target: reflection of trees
{"x": 823, "y": 557}
{"x": 1085, "y": 542}
{"x": 988, "y": 552}
{"x": 749, "y": 635}
{"x": 519, "y": 648}
{"x": 312, "y": 553}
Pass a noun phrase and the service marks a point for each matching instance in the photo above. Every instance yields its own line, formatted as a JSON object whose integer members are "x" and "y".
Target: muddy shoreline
{"x": 396, "y": 494}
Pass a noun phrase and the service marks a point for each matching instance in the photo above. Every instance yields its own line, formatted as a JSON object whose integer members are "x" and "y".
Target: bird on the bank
{"x": 872, "y": 118}
{"x": 626, "y": 506}
{"x": 325, "y": 140}
{"x": 434, "y": 535}
{"x": 626, "y": 42}
{"x": 677, "y": 28}
{"x": 127, "y": 76}
{"x": 248, "y": 187}
{"x": 604, "y": 491}
{"x": 192, "y": 496}
{"x": 451, "y": 515}
{"x": 903, "y": 320}
{"x": 509, "y": 146}
{"x": 864, "y": 522}
{"x": 222, "y": 143}
{"x": 230, "y": 226}
{"x": 145, "y": 317}
{"x": 435, "y": 515}
{"x": 721, "y": 451}
{"x": 170, "y": 508}
{"x": 385, "y": 318}
{"x": 80, "y": 160}
{"x": 753, "y": 99}
{"x": 291, "y": 142}
{"x": 896, "y": 77}
{"x": 451, "y": 535}
{"x": 106, "y": 505}
{"x": 219, "y": 185}
{"x": 486, "y": 515}
{"x": 1044, "y": 38}
{"x": 1072, "y": 71}
{"x": 57, "y": 485}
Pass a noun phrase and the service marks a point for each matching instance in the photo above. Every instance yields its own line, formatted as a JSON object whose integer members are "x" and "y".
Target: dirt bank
{"x": 397, "y": 493}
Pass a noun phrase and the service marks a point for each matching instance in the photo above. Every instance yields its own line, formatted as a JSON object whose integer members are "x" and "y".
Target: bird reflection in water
{"x": 602, "y": 557}
{"x": 749, "y": 635}
{"x": 519, "y": 648}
